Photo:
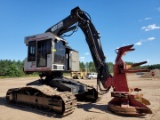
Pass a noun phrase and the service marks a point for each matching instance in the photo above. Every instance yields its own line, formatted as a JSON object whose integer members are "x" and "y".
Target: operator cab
{"x": 48, "y": 52}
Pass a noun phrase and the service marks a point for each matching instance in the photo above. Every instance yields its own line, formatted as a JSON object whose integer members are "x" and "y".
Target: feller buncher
{"x": 50, "y": 56}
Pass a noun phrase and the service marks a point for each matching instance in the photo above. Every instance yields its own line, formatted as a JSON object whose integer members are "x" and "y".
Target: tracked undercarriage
{"x": 57, "y": 94}
{"x": 44, "y": 97}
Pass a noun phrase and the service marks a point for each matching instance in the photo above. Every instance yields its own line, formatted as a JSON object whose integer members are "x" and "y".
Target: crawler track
{"x": 43, "y": 97}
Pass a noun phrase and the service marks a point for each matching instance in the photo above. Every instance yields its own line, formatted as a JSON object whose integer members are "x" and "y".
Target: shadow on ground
{"x": 2, "y": 100}
{"x": 101, "y": 109}
{"x": 88, "y": 107}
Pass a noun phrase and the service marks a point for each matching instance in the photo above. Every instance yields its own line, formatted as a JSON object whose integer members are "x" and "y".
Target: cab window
{"x": 31, "y": 50}
{"x": 59, "y": 55}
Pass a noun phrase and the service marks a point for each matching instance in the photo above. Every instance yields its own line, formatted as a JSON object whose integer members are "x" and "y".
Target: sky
{"x": 120, "y": 23}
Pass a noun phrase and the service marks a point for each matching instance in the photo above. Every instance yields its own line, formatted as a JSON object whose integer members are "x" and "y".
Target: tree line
{"x": 13, "y": 68}
{"x": 89, "y": 66}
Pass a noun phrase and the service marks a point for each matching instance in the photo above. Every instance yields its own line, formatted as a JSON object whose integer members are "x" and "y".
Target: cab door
{"x": 43, "y": 48}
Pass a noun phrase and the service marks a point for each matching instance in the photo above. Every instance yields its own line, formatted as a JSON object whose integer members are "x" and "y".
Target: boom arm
{"x": 123, "y": 102}
{"x": 92, "y": 38}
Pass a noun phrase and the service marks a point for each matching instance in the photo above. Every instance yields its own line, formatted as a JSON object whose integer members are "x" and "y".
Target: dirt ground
{"x": 84, "y": 111}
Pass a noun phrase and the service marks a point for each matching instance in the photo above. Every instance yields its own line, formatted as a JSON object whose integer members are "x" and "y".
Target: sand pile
{"x": 149, "y": 74}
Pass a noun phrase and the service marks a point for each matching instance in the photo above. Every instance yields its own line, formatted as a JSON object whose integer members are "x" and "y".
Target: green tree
{"x": 12, "y": 70}
{"x": 82, "y": 67}
{"x": 3, "y": 67}
{"x": 91, "y": 67}
{"x": 110, "y": 67}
